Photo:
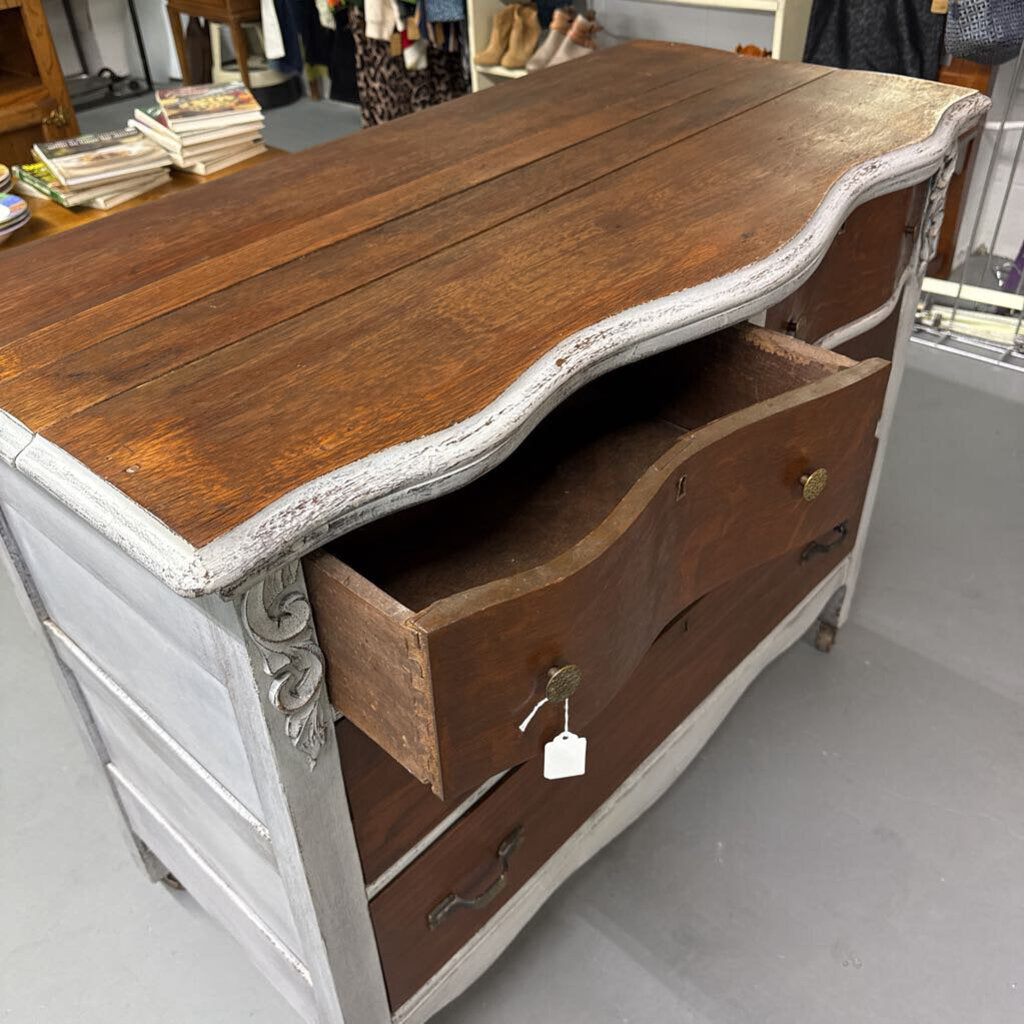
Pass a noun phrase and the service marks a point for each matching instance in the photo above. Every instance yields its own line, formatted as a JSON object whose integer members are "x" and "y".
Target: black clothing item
{"x": 198, "y": 52}
{"x": 901, "y": 37}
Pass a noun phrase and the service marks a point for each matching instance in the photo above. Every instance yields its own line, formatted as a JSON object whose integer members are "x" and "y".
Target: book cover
{"x": 38, "y": 180}
{"x": 41, "y": 182}
{"x": 173, "y": 143}
{"x": 152, "y": 118}
{"x": 99, "y": 156}
{"x": 111, "y": 199}
{"x": 218, "y": 162}
{"x": 194, "y": 105}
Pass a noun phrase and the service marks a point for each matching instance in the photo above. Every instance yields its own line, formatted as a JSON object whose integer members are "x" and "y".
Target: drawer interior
{"x": 575, "y": 467}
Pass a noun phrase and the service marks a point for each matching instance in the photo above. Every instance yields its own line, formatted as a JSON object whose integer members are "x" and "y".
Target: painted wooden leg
{"x": 178, "y": 33}
{"x": 241, "y": 45}
{"x": 276, "y": 683}
{"x": 35, "y": 612}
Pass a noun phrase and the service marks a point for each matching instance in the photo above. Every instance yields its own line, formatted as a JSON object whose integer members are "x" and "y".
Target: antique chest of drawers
{"x": 514, "y": 411}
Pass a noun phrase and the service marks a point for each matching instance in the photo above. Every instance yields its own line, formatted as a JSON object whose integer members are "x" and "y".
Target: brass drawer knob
{"x": 563, "y": 682}
{"x": 814, "y": 483}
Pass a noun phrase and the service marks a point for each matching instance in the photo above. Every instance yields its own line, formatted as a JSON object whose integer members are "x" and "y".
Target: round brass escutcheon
{"x": 563, "y": 682}
{"x": 814, "y": 483}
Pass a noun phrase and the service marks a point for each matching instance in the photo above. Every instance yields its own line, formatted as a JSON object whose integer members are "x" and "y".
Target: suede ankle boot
{"x": 523, "y": 39}
{"x": 501, "y": 28}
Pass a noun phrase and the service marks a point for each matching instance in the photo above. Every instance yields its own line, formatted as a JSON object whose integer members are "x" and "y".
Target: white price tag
{"x": 565, "y": 756}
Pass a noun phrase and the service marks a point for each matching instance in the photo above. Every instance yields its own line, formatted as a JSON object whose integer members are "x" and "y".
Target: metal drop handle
{"x": 817, "y": 548}
{"x": 453, "y": 901}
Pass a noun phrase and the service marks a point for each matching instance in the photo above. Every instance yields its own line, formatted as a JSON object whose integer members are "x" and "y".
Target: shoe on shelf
{"x": 524, "y": 36}
{"x": 501, "y": 29}
{"x": 579, "y": 42}
{"x": 561, "y": 22}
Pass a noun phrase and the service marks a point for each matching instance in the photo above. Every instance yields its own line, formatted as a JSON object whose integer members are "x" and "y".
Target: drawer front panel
{"x": 219, "y": 898}
{"x": 681, "y": 668}
{"x": 644, "y": 492}
{"x": 725, "y": 499}
{"x": 238, "y": 848}
{"x": 860, "y": 271}
{"x": 176, "y": 690}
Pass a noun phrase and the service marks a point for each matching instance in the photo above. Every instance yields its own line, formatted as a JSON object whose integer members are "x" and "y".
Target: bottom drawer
{"x": 694, "y": 652}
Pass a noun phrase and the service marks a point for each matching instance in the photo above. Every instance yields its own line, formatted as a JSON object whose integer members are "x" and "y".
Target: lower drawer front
{"x": 683, "y": 666}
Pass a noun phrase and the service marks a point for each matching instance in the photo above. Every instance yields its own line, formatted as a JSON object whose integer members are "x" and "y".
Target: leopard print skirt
{"x": 387, "y": 90}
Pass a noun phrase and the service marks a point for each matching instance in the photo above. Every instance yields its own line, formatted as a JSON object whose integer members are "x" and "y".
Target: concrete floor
{"x": 301, "y": 124}
{"x": 848, "y": 847}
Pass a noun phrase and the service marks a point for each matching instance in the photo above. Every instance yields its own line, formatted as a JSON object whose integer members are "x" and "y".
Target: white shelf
{"x": 771, "y": 6}
{"x": 500, "y": 72}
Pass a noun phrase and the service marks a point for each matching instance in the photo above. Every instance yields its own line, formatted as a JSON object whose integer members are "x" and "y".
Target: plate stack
{"x": 13, "y": 209}
{"x": 204, "y": 128}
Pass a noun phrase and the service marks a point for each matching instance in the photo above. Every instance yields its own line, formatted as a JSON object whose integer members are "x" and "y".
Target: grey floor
{"x": 848, "y": 847}
{"x": 299, "y": 125}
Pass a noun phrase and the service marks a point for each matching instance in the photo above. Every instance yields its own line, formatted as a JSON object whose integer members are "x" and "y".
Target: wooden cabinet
{"x": 648, "y": 488}
{"x": 483, "y": 398}
{"x": 34, "y": 102}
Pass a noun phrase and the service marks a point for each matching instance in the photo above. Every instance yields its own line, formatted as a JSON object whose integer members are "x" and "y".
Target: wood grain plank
{"x": 54, "y": 383}
{"x": 434, "y": 343}
{"x": 267, "y": 216}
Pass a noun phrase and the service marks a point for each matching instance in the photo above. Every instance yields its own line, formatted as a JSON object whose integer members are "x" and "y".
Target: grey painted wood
{"x": 646, "y": 784}
{"x": 182, "y": 695}
{"x": 287, "y": 725}
{"x": 271, "y": 956}
{"x": 197, "y": 622}
{"x": 13, "y": 564}
{"x": 238, "y": 850}
{"x": 339, "y": 501}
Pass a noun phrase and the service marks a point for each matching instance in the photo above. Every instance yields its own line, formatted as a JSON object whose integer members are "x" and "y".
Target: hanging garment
{"x": 901, "y": 37}
{"x": 387, "y": 90}
{"x": 198, "y": 52}
{"x": 342, "y": 65}
{"x": 445, "y": 10}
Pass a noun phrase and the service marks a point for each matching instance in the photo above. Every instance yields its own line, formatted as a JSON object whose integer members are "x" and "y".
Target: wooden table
{"x": 322, "y": 480}
{"x": 49, "y": 218}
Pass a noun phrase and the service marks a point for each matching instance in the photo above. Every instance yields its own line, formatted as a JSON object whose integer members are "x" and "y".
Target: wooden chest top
{"x": 249, "y": 367}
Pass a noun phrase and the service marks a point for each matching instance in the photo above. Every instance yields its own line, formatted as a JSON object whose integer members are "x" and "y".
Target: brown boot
{"x": 501, "y": 28}
{"x": 579, "y": 42}
{"x": 561, "y": 22}
{"x": 524, "y": 38}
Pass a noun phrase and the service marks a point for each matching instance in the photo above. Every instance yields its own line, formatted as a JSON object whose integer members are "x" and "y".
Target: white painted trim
{"x": 149, "y": 724}
{"x": 430, "y": 466}
{"x": 432, "y": 836}
{"x": 14, "y": 436}
{"x": 899, "y": 358}
{"x": 843, "y": 334}
{"x": 620, "y": 810}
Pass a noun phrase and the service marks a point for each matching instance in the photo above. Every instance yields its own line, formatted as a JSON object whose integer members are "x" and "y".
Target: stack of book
{"x": 204, "y": 128}
{"x": 99, "y": 170}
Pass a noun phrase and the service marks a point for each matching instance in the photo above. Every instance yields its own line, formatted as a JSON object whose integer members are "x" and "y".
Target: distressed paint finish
{"x": 415, "y": 469}
{"x": 279, "y": 624}
{"x": 280, "y": 703}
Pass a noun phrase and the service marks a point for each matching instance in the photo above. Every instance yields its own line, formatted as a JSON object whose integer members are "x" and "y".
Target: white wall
{"x": 678, "y": 23}
{"x": 108, "y": 40}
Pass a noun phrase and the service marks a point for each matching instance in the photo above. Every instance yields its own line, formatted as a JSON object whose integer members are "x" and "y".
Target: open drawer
{"x": 648, "y": 488}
